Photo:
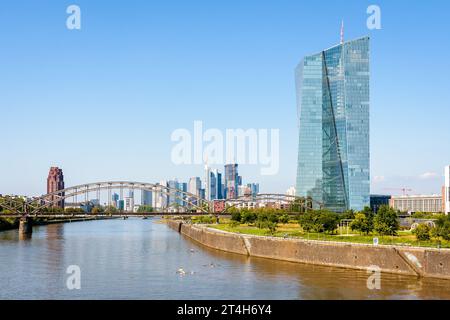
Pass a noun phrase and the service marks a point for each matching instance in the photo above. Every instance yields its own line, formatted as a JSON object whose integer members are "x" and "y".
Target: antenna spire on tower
{"x": 342, "y": 32}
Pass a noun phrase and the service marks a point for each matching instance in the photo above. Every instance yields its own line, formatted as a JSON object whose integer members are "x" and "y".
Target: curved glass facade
{"x": 333, "y": 108}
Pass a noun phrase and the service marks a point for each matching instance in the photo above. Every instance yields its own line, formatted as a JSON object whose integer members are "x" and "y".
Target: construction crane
{"x": 403, "y": 190}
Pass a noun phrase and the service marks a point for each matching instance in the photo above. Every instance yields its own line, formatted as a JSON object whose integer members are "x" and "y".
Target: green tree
{"x": 422, "y": 232}
{"x": 327, "y": 221}
{"x": 363, "y": 221}
{"x": 307, "y": 221}
{"x": 349, "y": 214}
{"x": 386, "y": 221}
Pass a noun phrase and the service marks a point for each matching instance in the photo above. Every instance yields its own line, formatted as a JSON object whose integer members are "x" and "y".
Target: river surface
{"x": 140, "y": 259}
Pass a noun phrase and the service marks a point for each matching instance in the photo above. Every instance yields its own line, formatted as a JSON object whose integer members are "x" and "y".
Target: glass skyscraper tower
{"x": 333, "y": 109}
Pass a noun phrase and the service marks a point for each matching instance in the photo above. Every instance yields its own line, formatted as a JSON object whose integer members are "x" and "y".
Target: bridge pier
{"x": 25, "y": 226}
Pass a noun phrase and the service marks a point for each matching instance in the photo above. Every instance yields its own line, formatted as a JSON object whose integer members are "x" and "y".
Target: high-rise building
{"x": 231, "y": 180}
{"x": 254, "y": 188}
{"x": 447, "y": 190}
{"x": 213, "y": 185}
{"x": 114, "y": 199}
{"x": 55, "y": 182}
{"x": 173, "y": 196}
{"x": 207, "y": 182}
{"x": 146, "y": 198}
{"x": 129, "y": 204}
{"x": 291, "y": 191}
{"x": 219, "y": 185}
{"x": 160, "y": 198}
{"x": 194, "y": 187}
{"x": 333, "y": 108}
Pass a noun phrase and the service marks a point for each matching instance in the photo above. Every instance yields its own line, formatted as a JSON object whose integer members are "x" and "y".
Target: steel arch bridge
{"x": 36, "y": 206}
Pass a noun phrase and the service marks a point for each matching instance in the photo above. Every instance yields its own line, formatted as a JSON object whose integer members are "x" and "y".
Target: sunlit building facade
{"x": 333, "y": 108}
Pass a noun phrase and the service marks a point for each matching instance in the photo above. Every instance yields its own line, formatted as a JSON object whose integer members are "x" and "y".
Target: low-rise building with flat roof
{"x": 417, "y": 203}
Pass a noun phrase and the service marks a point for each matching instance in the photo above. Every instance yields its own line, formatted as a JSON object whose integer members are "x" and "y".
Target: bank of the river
{"x": 12, "y": 223}
{"x": 8, "y": 224}
{"x": 415, "y": 261}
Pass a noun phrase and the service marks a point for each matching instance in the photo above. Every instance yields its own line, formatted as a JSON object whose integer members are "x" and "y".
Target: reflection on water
{"x": 142, "y": 259}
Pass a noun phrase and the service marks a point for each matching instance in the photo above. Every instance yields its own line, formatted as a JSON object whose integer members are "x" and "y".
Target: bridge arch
{"x": 51, "y": 199}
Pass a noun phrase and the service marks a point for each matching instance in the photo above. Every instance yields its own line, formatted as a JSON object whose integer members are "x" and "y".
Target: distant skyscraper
{"x": 173, "y": 195}
{"x": 333, "y": 107}
{"x": 231, "y": 180}
{"x": 114, "y": 199}
{"x": 146, "y": 198}
{"x": 447, "y": 190}
{"x": 254, "y": 188}
{"x": 55, "y": 182}
{"x": 213, "y": 185}
{"x": 207, "y": 182}
{"x": 129, "y": 204}
{"x": 291, "y": 191}
{"x": 219, "y": 185}
{"x": 194, "y": 187}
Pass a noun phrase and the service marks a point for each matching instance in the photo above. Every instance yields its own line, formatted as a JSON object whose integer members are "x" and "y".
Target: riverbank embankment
{"x": 414, "y": 261}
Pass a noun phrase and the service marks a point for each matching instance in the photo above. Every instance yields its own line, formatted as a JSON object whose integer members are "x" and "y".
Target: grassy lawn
{"x": 293, "y": 230}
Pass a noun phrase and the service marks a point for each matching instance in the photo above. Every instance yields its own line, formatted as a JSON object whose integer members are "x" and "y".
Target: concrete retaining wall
{"x": 426, "y": 262}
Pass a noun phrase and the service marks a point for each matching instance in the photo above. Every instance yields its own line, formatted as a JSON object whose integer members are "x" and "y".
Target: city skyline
{"x": 92, "y": 81}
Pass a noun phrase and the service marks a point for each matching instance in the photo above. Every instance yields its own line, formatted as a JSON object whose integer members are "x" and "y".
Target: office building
{"x": 129, "y": 204}
{"x": 146, "y": 198}
{"x": 55, "y": 182}
{"x": 114, "y": 200}
{"x": 333, "y": 108}
{"x": 219, "y": 185}
{"x": 291, "y": 191}
{"x": 446, "y": 197}
{"x": 254, "y": 188}
{"x": 417, "y": 203}
{"x": 378, "y": 200}
{"x": 231, "y": 180}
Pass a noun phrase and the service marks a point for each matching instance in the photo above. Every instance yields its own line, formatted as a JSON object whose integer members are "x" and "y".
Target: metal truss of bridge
{"x": 193, "y": 204}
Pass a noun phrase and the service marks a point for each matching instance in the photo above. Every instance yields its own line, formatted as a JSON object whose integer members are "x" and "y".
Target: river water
{"x": 140, "y": 259}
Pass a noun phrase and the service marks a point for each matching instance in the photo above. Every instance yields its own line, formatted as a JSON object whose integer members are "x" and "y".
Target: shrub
{"x": 422, "y": 232}
{"x": 248, "y": 217}
{"x": 284, "y": 218}
{"x": 234, "y": 223}
{"x": 236, "y": 216}
{"x": 442, "y": 229}
{"x": 273, "y": 217}
{"x": 203, "y": 220}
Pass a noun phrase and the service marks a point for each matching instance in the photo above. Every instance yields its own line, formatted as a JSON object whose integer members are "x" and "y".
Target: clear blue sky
{"x": 103, "y": 101}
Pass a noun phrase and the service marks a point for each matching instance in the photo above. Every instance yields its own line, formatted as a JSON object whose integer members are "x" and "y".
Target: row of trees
{"x": 384, "y": 223}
